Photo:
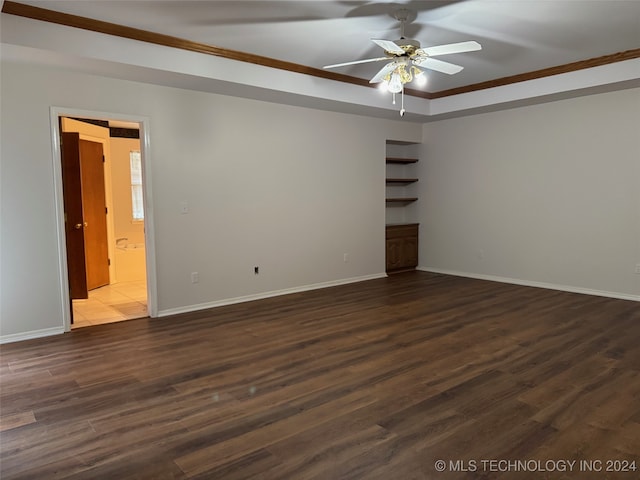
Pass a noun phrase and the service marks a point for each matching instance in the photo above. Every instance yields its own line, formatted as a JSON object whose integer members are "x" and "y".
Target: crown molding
{"x": 545, "y": 72}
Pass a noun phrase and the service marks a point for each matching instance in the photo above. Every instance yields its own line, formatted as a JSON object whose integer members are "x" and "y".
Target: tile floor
{"x": 112, "y": 303}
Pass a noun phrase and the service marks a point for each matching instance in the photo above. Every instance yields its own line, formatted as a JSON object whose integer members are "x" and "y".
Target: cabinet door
{"x": 410, "y": 252}
{"x": 394, "y": 253}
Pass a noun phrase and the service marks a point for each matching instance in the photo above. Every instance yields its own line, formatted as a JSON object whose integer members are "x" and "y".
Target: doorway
{"x": 103, "y": 190}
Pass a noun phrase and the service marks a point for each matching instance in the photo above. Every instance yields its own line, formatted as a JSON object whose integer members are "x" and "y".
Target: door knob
{"x": 78, "y": 226}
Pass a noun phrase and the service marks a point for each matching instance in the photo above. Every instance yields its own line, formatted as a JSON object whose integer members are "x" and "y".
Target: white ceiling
{"x": 517, "y": 36}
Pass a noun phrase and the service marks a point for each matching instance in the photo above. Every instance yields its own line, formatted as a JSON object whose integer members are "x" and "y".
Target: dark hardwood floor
{"x": 375, "y": 380}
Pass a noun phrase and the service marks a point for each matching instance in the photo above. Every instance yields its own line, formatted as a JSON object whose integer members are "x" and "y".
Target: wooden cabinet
{"x": 401, "y": 247}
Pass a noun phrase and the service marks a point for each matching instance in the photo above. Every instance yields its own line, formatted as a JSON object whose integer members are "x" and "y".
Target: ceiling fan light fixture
{"x": 395, "y": 82}
{"x": 407, "y": 59}
{"x": 420, "y": 77}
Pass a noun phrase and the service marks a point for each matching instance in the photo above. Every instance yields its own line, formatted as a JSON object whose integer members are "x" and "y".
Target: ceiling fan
{"x": 408, "y": 59}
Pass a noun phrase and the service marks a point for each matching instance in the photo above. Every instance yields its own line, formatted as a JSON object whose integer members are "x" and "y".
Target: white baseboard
{"x": 273, "y": 293}
{"x": 18, "y": 337}
{"x": 528, "y": 283}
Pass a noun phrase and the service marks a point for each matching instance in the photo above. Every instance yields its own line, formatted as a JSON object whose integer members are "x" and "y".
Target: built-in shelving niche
{"x": 402, "y": 228}
{"x": 402, "y": 182}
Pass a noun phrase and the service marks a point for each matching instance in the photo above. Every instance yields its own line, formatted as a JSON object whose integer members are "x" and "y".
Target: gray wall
{"x": 546, "y": 194}
{"x": 286, "y": 188}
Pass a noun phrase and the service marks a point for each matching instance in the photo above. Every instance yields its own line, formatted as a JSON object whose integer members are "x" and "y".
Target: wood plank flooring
{"x": 375, "y": 380}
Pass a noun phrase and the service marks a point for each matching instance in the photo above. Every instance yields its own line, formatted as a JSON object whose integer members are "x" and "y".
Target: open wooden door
{"x": 94, "y": 206}
{"x": 85, "y": 215}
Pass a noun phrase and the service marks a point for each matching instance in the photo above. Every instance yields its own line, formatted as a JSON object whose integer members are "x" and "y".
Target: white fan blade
{"x": 389, "y": 46}
{"x": 452, "y": 48}
{"x": 437, "y": 65}
{"x": 379, "y": 59}
{"x": 384, "y": 71}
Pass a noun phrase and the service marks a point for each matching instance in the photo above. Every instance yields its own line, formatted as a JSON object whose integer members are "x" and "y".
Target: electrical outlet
{"x": 195, "y": 277}
{"x": 345, "y": 257}
{"x": 184, "y": 208}
{"x": 256, "y": 270}
{"x": 638, "y": 268}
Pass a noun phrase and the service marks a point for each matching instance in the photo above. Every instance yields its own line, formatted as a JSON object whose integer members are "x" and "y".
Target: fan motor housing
{"x": 409, "y": 45}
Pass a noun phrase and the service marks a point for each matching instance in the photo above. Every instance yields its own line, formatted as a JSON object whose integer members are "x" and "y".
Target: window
{"x": 137, "y": 208}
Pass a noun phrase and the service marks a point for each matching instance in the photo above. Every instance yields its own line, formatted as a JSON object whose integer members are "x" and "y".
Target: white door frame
{"x": 149, "y": 229}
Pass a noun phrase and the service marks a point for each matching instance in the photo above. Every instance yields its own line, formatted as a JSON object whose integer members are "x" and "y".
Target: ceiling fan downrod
{"x": 404, "y": 15}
